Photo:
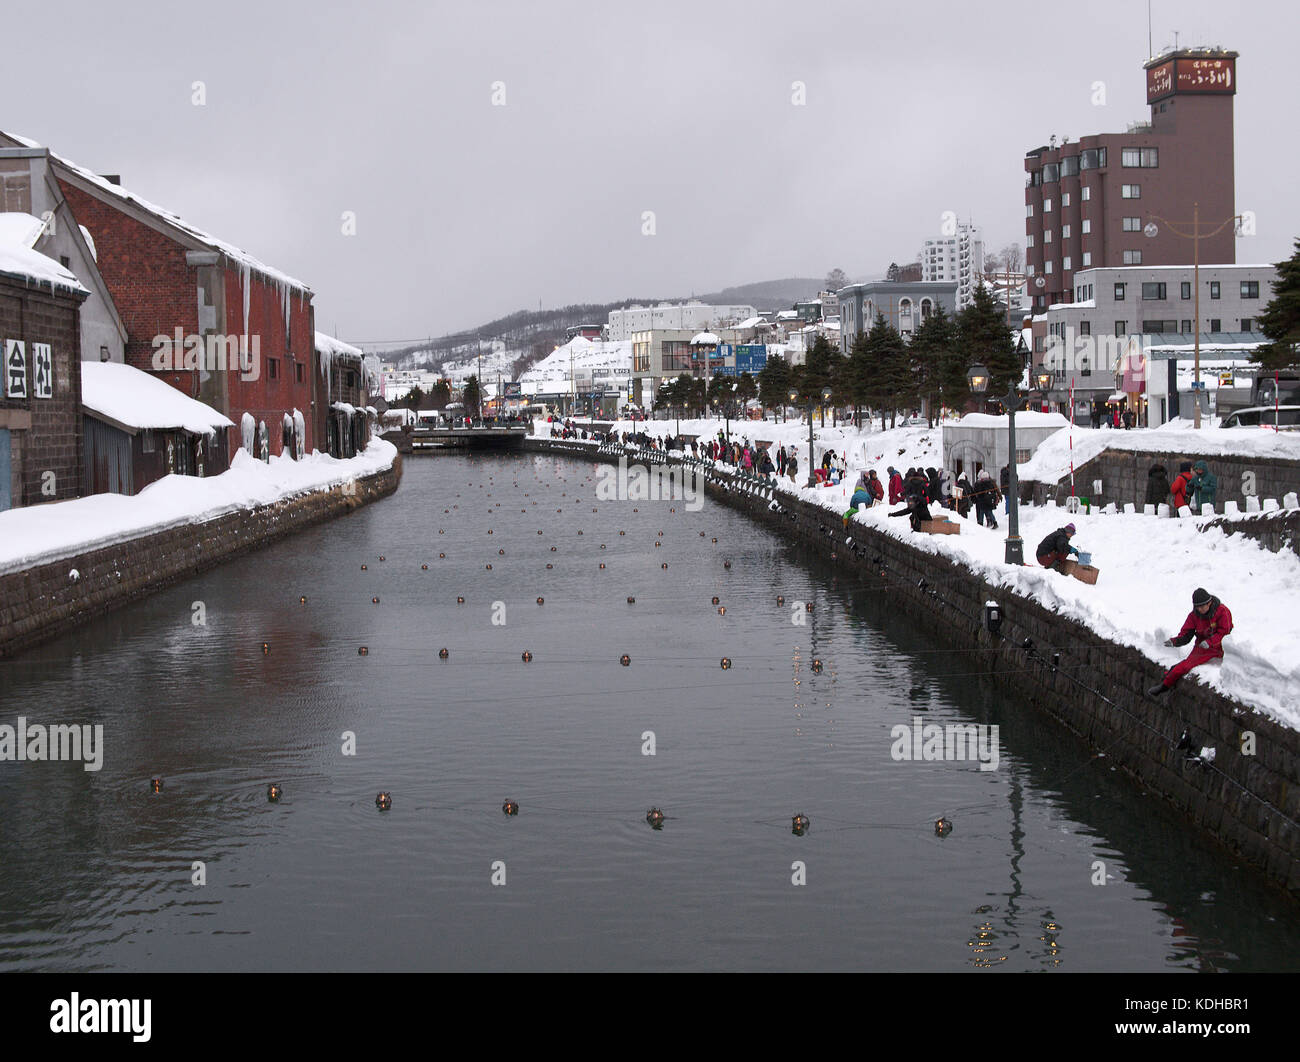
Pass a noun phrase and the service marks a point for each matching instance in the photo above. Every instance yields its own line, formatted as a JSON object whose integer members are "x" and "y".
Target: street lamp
{"x": 978, "y": 378}
{"x": 794, "y": 401}
{"x": 1151, "y": 230}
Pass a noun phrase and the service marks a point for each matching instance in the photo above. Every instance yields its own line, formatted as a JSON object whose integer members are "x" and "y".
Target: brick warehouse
{"x": 40, "y": 396}
{"x": 211, "y": 301}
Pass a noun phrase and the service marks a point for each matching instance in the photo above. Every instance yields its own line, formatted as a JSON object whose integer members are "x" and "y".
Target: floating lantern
{"x": 701, "y": 534}
{"x": 383, "y": 801}
{"x": 817, "y": 666}
{"x": 273, "y": 792}
{"x": 726, "y": 564}
{"x": 538, "y": 531}
{"x": 155, "y": 785}
{"x": 942, "y": 827}
{"x": 664, "y": 565}
{"x": 266, "y": 648}
{"x": 799, "y": 825}
{"x": 442, "y": 556}
{"x": 510, "y": 807}
{"x": 302, "y": 601}
{"x": 622, "y": 532}
{"x": 527, "y": 657}
{"x": 715, "y": 601}
{"x": 460, "y": 600}
{"x": 489, "y": 567}
{"x": 631, "y": 601}
{"x": 552, "y": 549}
{"x": 363, "y": 650}
{"x": 489, "y": 530}
{"x": 441, "y": 531}
{"x": 374, "y": 600}
{"x": 807, "y": 606}
{"x": 501, "y": 553}
{"x": 443, "y": 654}
{"x": 579, "y": 532}
{"x": 424, "y": 567}
{"x": 381, "y": 557}
{"x": 780, "y": 600}
{"x": 363, "y": 567}
{"x": 715, "y": 541}
{"x": 722, "y": 610}
{"x": 726, "y": 663}
{"x": 625, "y": 660}
{"x": 541, "y": 600}
{"x": 549, "y": 567}
{"x": 655, "y": 817}
{"x": 602, "y": 545}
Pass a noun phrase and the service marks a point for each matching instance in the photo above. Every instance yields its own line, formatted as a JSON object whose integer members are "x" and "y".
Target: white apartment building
{"x": 955, "y": 259}
{"x": 694, "y": 316}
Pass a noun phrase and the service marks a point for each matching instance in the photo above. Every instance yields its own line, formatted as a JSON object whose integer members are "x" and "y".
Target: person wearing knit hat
{"x": 1055, "y": 549}
{"x": 1208, "y": 623}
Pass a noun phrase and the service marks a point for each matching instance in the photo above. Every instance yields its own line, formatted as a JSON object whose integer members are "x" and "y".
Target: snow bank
{"x": 42, "y": 533}
{"x": 125, "y": 394}
{"x": 1051, "y": 461}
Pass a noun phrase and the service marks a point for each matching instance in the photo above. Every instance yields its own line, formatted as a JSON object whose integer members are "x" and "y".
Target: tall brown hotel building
{"x": 1088, "y": 201}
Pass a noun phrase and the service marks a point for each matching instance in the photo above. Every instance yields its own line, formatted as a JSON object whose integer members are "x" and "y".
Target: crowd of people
{"x": 1194, "y": 486}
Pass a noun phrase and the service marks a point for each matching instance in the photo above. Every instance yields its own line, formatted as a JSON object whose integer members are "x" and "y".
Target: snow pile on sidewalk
{"x": 41, "y": 533}
{"x": 1149, "y": 568}
{"x": 1051, "y": 461}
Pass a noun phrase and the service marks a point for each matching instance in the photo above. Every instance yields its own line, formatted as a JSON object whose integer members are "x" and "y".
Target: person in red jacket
{"x": 1182, "y": 485}
{"x": 1208, "y": 622}
{"x": 895, "y": 486}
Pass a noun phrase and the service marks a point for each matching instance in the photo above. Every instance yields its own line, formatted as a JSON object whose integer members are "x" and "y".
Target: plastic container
{"x": 1085, "y": 558}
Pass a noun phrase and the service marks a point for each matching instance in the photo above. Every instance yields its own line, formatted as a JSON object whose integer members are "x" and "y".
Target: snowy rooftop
{"x": 18, "y": 234}
{"x": 135, "y": 400}
{"x": 705, "y": 339}
{"x": 235, "y": 254}
{"x": 336, "y": 348}
{"x": 1024, "y": 419}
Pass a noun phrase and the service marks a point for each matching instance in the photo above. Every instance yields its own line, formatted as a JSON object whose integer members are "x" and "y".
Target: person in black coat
{"x": 935, "y": 489}
{"x": 1157, "y": 485}
{"x": 1055, "y": 549}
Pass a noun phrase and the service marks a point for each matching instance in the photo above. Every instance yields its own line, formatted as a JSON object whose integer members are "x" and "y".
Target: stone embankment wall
{"x": 1250, "y": 803}
{"x": 44, "y": 600}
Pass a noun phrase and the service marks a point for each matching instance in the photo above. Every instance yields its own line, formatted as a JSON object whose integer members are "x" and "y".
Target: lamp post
{"x": 978, "y": 378}
{"x": 1152, "y": 230}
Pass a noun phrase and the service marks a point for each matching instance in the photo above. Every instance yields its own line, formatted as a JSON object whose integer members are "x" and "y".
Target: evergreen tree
{"x": 414, "y": 397}
{"x": 985, "y": 340}
{"x": 472, "y": 395}
{"x": 935, "y": 356}
{"x": 884, "y": 368}
{"x": 820, "y": 371}
{"x": 774, "y": 382}
{"x": 1280, "y": 320}
{"x": 746, "y": 388}
{"x": 440, "y": 395}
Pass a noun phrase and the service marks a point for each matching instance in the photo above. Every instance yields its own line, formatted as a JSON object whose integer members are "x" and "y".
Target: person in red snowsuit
{"x": 1182, "y": 485}
{"x": 1208, "y": 622}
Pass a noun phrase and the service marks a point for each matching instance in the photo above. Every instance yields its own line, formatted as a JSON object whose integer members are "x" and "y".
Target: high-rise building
{"x": 1108, "y": 200}
{"x": 957, "y": 259}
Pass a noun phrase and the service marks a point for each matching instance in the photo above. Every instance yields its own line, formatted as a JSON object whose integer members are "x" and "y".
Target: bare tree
{"x": 836, "y": 279}
{"x": 1012, "y": 257}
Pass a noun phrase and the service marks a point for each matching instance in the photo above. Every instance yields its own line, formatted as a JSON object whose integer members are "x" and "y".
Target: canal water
{"x": 1053, "y": 860}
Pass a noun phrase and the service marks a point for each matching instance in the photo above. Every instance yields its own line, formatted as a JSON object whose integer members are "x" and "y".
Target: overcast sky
{"x": 466, "y": 210}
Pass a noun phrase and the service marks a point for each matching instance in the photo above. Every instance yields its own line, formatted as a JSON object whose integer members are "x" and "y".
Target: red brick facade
{"x": 157, "y": 291}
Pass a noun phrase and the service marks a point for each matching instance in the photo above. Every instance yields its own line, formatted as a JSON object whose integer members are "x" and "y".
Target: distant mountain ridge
{"x": 534, "y": 333}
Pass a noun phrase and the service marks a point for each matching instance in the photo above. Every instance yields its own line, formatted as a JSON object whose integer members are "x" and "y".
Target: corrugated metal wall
{"x": 108, "y": 459}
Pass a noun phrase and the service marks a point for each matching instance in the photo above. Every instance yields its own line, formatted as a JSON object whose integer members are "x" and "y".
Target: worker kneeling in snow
{"x": 1208, "y": 622}
{"x": 1055, "y": 549}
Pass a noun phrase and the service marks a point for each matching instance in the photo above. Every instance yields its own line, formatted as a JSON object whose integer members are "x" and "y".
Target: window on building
{"x": 272, "y": 368}
{"x": 1132, "y": 257}
{"x": 1248, "y": 324}
{"x": 1065, "y": 200}
{"x": 1038, "y": 344}
{"x": 1216, "y": 325}
{"x": 1086, "y": 226}
{"x": 1121, "y": 328}
{"x": 1085, "y": 194}
{"x": 1047, "y": 235}
{"x": 1047, "y": 267}
{"x": 1214, "y": 289}
{"x": 1159, "y": 327}
{"x": 1147, "y": 158}
{"x": 1130, "y": 191}
{"x": 1065, "y": 230}
{"x": 1085, "y": 328}
{"x": 1051, "y": 173}
{"x": 1087, "y": 261}
{"x": 1085, "y": 366}
{"x": 298, "y": 372}
{"x": 1153, "y": 292}
{"x": 1065, "y": 263}
{"x": 1185, "y": 289}
{"x": 1047, "y": 206}
{"x": 1088, "y": 159}
{"x": 65, "y": 261}
{"x": 1029, "y": 210}
{"x": 1119, "y": 292}
{"x": 1029, "y": 240}
{"x": 1132, "y": 225}
{"x": 1250, "y": 290}
{"x": 1185, "y": 327}
{"x": 1070, "y": 168}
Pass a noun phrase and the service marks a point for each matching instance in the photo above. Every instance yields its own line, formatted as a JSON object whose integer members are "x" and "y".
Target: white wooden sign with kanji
{"x": 42, "y": 371}
{"x": 15, "y": 369}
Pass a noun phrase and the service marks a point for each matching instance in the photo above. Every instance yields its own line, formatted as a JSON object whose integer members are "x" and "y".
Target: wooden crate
{"x": 941, "y": 526}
